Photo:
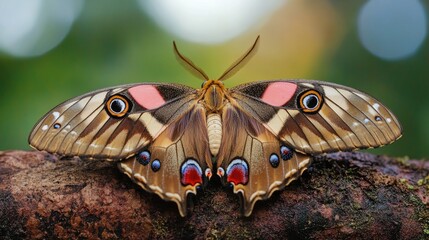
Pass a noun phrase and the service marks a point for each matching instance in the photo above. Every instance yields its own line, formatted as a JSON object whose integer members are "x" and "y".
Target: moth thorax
{"x": 214, "y": 97}
{"x": 214, "y": 127}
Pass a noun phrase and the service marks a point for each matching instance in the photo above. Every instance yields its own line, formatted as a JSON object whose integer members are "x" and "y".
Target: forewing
{"x": 177, "y": 162}
{"x": 86, "y": 126}
{"x": 345, "y": 119}
{"x": 253, "y": 160}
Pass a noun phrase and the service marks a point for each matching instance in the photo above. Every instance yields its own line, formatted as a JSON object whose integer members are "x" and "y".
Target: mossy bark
{"x": 342, "y": 195}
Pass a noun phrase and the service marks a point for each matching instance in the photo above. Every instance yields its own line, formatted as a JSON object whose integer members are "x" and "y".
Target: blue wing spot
{"x": 156, "y": 165}
{"x": 274, "y": 160}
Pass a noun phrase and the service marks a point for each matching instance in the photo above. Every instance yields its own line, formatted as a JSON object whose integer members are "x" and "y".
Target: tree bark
{"x": 342, "y": 195}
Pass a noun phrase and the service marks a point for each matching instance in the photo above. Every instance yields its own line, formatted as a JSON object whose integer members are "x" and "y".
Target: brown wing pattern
{"x": 83, "y": 126}
{"x": 177, "y": 162}
{"x": 345, "y": 120}
{"x": 262, "y": 135}
{"x": 258, "y": 163}
{"x": 269, "y": 131}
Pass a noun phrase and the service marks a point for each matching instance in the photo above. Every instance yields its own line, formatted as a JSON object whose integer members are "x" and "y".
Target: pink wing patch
{"x": 147, "y": 96}
{"x": 278, "y": 93}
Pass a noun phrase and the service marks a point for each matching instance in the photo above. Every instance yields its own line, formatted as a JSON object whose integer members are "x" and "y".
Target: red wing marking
{"x": 237, "y": 172}
{"x": 191, "y": 173}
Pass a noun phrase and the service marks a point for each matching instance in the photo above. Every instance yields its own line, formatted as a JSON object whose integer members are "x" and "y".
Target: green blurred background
{"x": 110, "y": 43}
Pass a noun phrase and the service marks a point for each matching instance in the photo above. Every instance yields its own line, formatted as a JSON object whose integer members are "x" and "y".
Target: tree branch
{"x": 342, "y": 195}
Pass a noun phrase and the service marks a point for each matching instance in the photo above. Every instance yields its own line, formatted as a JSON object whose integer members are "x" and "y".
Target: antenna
{"x": 189, "y": 65}
{"x": 199, "y": 73}
{"x": 237, "y": 65}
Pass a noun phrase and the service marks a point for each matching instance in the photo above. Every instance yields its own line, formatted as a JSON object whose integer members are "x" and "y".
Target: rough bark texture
{"x": 343, "y": 195}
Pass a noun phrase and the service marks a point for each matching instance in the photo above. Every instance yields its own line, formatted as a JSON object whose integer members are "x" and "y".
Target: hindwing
{"x": 177, "y": 162}
{"x": 258, "y": 163}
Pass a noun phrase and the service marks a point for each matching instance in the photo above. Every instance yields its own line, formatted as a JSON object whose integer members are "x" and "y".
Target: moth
{"x": 257, "y": 137}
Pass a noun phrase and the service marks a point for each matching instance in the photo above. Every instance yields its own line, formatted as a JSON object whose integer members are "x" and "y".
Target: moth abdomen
{"x": 214, "y": 129}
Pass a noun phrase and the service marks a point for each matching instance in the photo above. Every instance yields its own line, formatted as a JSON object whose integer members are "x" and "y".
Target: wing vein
{"x": 345, "y": 124}
{"x": 73, "y": 128}
{"x": 77, "y": 114}
{"x": 319, "y": 136}
{"x": 128, "y": 134}
{"x": 300, "y": 129}
{"x": 370, "y": 132}
{"x": 351, "y": 116}
{"x": 390, "y": 128}
{"x": 92, "y": 138}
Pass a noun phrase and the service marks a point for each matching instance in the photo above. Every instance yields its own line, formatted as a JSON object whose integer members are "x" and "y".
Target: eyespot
{"x": 310, "y": 101}
{"x": 117, "y": 106}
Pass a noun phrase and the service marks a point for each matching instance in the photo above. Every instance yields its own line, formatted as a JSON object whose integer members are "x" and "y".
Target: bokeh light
{"x": 33, "y": 27}
{"x": 392, "y": 29}
{"x": 208, "y": 21}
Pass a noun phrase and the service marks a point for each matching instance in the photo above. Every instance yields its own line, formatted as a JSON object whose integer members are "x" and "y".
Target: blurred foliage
{"x": 118, "y": 44}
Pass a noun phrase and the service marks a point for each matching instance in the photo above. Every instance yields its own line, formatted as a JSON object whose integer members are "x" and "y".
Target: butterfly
{"x": 257, "y": 137}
